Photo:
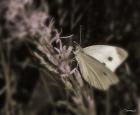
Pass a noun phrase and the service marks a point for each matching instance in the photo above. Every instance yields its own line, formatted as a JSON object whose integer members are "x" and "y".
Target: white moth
{"x": 98, "y": 63}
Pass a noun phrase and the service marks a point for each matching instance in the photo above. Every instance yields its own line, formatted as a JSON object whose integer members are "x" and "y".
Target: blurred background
{"x": 95, "y": 22}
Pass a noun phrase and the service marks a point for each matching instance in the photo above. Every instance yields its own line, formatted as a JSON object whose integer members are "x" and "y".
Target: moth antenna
{"x": 80, "y": 34}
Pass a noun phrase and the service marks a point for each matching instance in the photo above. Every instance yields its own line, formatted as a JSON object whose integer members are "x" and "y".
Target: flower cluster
{"x": 57, "y": 55}
{"x": 25, "y": 23}
{"x": 22, "y": 21}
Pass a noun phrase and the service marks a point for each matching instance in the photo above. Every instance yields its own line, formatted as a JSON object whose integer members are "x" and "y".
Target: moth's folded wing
{"x": 86, "y": 74}
{"x": 96, "y": 74}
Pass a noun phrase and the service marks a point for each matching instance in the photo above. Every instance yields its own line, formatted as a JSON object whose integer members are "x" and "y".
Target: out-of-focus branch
{"x": 75, "y": 8}
{"x": 9, "y": 105}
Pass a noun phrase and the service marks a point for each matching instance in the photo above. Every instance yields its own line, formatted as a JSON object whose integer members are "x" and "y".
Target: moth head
{"x": 77, "y": 49}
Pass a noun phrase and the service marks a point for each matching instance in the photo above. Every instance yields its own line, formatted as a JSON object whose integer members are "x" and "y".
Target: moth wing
{"x": 111, "y": 56}
{"x": 95, "y": 73}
